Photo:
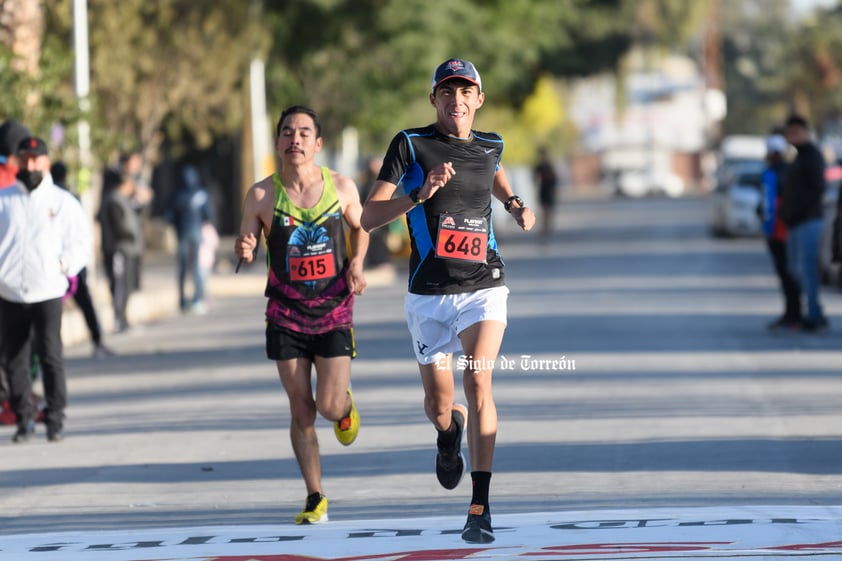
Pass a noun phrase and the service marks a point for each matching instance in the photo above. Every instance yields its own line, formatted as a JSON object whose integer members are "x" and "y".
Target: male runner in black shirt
{"x": 457, "y": 295}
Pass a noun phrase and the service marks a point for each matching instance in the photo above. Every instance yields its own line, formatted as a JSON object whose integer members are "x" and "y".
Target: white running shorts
{"x": 436, "y": 320}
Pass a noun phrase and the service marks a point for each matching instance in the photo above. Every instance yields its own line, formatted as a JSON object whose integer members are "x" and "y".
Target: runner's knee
{"x": 333, "y": 407}
{"x": 303, "y": 412}
{"x": 478, "y": 383}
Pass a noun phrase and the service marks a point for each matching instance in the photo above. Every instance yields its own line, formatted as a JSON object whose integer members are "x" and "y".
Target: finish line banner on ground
{"x": 702, "y": 533}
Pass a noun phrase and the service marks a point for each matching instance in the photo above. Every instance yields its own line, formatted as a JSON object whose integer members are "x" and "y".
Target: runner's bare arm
{"x": 256, "y": 219}
{"x": 524, "y": 216}
{"x": 381, "y": 208}
{"x": 349, "y": 198}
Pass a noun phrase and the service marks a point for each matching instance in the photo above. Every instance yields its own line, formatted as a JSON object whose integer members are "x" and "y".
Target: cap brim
{"x": 443, "y": 80}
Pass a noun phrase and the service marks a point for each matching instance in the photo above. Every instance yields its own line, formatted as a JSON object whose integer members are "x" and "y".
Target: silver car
{"x": 831, "y": 273}
{"x": 736, "y": 199}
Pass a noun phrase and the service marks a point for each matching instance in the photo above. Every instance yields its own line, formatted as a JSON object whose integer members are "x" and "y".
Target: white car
{"x": 639, "y": 183}
{"x": 736, "y": 199}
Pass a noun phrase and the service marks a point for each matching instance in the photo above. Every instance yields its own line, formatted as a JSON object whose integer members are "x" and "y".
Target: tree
{"x": 168, "y": 65}
{"x": 756, "y": 36}
{"x": 21, "y": 31}
{"x": 368, "y": 63}
{"x": 814, "y": 81}
{"x": 157, "y": 68}
{"x": 175, "y": 69}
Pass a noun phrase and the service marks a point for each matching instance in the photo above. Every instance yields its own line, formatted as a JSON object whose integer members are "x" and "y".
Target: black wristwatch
{"x": 513, "y": 199}
{"x": 413, "y": 196}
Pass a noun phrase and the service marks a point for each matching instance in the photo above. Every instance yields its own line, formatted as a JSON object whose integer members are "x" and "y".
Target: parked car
{"x": 641, "y": 183}
{"x": 831, "y": 273}
{"x": 736, "y": 199}
{"x": 736, "y": 151}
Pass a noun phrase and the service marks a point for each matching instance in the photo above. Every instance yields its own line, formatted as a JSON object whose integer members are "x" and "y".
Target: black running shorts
{"x": 285, "y": 344}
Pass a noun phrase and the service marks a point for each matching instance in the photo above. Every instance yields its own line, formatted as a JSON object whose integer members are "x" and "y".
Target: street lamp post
{"x": 82, "y": 78}
{"x": 82, "y": 86}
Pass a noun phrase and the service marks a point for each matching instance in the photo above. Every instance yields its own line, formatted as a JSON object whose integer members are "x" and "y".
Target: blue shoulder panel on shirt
{"x": 416, "y": 218}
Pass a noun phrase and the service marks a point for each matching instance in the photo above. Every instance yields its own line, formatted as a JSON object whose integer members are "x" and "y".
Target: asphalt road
{"x": 639, "y": 373}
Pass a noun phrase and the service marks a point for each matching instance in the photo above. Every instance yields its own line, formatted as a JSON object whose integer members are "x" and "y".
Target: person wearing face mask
{"x": 82, "y": 295}
{"x": 44, "y": 238}
{"x": 11, "y": 133}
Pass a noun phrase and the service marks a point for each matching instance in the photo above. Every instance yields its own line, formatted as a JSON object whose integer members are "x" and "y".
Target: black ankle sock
{"x": 481, "y": 482}
{"x": 313, "y": 500}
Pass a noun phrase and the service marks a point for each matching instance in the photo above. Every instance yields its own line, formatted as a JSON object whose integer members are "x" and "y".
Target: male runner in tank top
{"x": 457, "y": 296}
{"x": 311, "y": 287}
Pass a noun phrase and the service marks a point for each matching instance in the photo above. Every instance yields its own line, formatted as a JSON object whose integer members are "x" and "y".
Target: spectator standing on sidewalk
{"x": 11, "y": 133}
{"x": 207, "y": 253}
{"x": 802, "y": 212}
{"x": 775, "y": 232}
{"x": 44, "y": 238}
{"x": 82, "y": 295}
{"x": 547, "y": 180}
{"x": 190, "y": 210}
{"x": 130, "y": 168}
{"x": 122, "y": 246}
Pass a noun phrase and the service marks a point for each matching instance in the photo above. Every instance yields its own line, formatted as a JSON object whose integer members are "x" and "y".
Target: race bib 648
{"x": 462, "y": 237}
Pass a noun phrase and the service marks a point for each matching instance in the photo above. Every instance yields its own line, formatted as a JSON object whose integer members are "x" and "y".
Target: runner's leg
{"x": 295, "y": 377}
{"x": 437, "y": 379}
{"x": 333, "y": 377}
{"x": 481, "y": 342}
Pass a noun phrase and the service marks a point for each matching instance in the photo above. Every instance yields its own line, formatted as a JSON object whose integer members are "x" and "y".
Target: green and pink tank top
{"x": 308, "y": 260}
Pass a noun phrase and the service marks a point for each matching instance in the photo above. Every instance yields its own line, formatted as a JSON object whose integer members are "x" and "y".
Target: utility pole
{"x": 82, "y": 87}
{"x": 82, "y": 79}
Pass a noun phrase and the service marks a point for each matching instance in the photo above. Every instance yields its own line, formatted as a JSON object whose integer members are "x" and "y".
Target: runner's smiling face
{"x": 456, "y": 102}
{"x": 298, "y": 142}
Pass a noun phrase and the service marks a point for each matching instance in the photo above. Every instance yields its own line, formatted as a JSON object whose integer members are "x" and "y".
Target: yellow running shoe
{"x": 347, "y": 428}
{"x": 315, "y": 510}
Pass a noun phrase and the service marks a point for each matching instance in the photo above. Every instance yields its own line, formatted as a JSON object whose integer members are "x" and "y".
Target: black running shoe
{"x": 785, "y": 323}
{"x": 450, "y": 467}
{"x": 24, "y": 432}
{"x": 815, "y": 325}
{"x": 478, "y": 527}
{"x": 54, "y": 434}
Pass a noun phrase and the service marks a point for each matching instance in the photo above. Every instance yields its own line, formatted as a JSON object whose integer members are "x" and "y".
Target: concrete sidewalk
{"x": 158, "y": 295}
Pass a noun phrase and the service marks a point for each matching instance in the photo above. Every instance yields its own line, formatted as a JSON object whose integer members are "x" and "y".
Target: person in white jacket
{"x": 44, "y": 238}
